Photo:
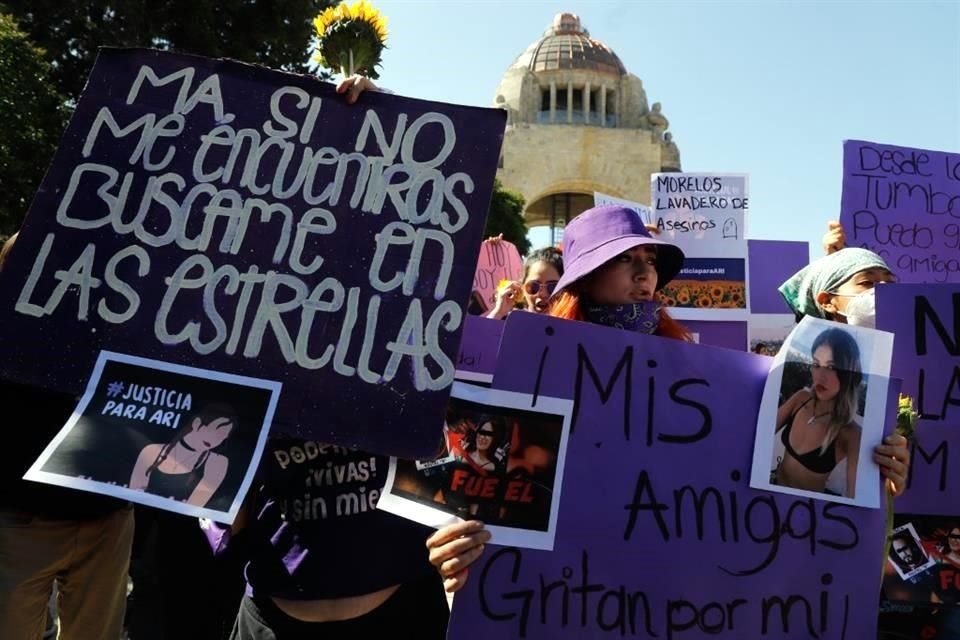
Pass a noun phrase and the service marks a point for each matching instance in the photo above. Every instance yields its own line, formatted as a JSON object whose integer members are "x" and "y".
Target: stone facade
{"x": 578, "y": 122}
{"x": 540, "y": 161}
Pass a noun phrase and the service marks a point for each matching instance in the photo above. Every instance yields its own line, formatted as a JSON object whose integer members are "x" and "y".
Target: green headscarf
{"x": 826, "y": 274}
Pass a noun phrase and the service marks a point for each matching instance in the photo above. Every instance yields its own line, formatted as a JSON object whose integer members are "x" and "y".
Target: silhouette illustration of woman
{"x": 187, "y": 468}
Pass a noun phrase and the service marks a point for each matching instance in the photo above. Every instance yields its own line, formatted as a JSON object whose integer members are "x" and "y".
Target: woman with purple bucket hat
{"x": 614, "y": 269}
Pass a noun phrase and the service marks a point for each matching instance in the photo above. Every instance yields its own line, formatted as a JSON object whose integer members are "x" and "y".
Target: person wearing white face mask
{"x": 861, "y": 309}
{"x": 838, "y": 287}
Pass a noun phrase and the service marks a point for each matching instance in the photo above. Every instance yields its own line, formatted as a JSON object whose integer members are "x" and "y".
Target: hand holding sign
{"x": 835, "y": 238}
{"x": 499, "y": 260}
{"x": 454, "y": 548}
{"x": 509, "y": 292}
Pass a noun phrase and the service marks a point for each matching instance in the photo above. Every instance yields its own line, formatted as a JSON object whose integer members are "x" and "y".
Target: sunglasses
{"x": 954, "y": 536}
{"x": 489, "y": 434}
{"x": 533, "y": 287}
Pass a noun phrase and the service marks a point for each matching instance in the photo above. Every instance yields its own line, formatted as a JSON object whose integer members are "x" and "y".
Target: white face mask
{"x": 862, "y": 309}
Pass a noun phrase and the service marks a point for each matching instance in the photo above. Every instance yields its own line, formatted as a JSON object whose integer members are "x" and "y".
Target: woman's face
{"x": 485, "y": 437}
{"x": 859, "y": 283}
{"x": 541, "y": 276}
{"x": 204, "y": 437}
{"x": 628, "y": 278}
{"x": 826, "y": 383}
{"x": 953, "y": 539}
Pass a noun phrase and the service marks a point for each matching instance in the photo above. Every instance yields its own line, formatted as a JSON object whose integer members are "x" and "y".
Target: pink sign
{"x": 499, "y": 260}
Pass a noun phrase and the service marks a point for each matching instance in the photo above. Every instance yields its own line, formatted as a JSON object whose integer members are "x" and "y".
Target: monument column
{"x": 553, "y": 101}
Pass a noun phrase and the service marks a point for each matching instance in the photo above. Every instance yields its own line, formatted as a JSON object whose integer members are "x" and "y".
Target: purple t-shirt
{"x": 318, "y": 533}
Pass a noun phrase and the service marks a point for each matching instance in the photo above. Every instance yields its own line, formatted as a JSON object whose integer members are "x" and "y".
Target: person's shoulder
{"x": 217, "y": 459}
{"x": 151, "y": 449}
{"x": 851, "y": 430}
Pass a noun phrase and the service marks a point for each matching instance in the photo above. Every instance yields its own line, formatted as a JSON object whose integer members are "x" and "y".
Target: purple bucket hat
{"x": 600, "y": 234}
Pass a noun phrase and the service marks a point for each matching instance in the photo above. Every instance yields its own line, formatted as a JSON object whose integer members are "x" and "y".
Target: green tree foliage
{"x": 33, "y": 119}
{"x": 506, "y": 217}
{"x": 275, "y": 33}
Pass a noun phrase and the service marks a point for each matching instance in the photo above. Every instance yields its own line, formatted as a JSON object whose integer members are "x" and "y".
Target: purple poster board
{"x": 478, "y": 349}
{"x": 904, "y": 204}
{"x": 659, "y": 534}
{"x": 729, "y": 335}
{"x": 926, "y": 354}
{"x": 211, "y": 212}
{"x": 934, "y": 469}
{"x": 771, "y": 262}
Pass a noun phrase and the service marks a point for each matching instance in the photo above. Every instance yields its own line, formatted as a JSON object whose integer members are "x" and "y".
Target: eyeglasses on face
{"x": 532, "y": 287}
{"x": 954, "y": 536}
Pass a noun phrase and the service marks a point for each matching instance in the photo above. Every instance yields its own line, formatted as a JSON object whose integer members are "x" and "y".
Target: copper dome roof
{"x": 566, "y": 45}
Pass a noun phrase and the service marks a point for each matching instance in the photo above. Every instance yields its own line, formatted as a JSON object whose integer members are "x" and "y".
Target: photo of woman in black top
{"x": 187, "y": 468}
{"x": 817, "y": 424}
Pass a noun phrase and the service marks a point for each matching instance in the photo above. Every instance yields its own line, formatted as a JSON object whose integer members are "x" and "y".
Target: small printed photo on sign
{"x": 923, "y": 565}
{"x": 823, "y": 411}
{"x": 499, "y": 462}
{"x": 907, "y": 555}
{"x": 176, "y": 438}
{"x": 708, "y": 283}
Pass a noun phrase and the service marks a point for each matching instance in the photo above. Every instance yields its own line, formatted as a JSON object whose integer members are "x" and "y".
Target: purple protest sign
{"x": 478, "y": 349}
{"x": 934, "y": 453}
{"x": 729, "y": 335}
{"x": 904, "y": 204}
{"x": 658, "y": 533}
{"x": 926, "y": 354}
{"x": 211, "y": 212}
{"x": 771, "y": 263}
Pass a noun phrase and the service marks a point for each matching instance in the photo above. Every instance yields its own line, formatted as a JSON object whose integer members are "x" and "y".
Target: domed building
{"x": 577, "y": 123}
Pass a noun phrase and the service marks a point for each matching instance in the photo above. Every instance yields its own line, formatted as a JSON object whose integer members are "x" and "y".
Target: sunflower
{"x": 906, "y": 417}
{"x": 683, "y": 298}
{"x": 716, "y": 292}
{"x": 351, "y": 38}
{"x": 703, "y": 302}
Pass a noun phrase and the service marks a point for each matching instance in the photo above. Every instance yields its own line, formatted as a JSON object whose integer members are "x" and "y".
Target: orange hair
{"x": 567, "y": 306}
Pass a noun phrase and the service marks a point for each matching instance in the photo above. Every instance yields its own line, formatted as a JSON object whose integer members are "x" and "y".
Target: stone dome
{"x": 578, "y": 123}
{"x": 567, "y": 45}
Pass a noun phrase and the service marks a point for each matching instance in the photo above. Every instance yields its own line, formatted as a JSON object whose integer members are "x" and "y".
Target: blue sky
{"x": 761, "y": 87}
